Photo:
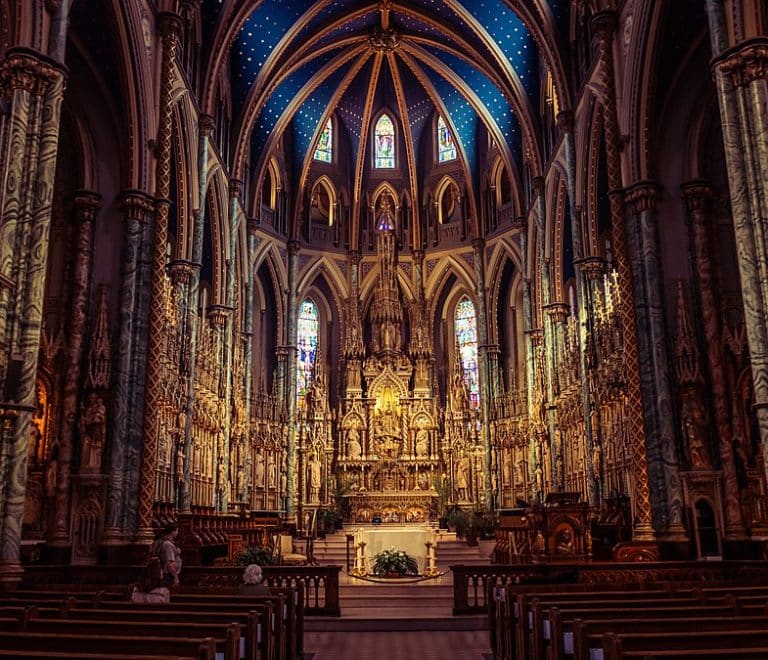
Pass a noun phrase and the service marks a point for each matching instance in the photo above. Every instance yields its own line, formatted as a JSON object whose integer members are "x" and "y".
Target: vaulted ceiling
{"x": 475, "y": 62}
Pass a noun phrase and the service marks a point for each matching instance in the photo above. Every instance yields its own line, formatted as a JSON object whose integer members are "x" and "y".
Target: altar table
{"x": 408, "y": 539}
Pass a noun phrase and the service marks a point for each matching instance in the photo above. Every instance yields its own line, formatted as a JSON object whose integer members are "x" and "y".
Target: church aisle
{"x": 426, "y": 645}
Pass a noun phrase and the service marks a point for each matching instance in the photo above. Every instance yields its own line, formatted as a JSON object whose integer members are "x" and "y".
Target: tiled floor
{"x": 438, "y": 645}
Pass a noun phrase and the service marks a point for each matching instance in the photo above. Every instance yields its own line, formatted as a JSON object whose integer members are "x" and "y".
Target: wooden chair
{"x": 284, "y": 552}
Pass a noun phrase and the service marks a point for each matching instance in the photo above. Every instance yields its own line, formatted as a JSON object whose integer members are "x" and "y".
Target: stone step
{"x": 403, "y": 621}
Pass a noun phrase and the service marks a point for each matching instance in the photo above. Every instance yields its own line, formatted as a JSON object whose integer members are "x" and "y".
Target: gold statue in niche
{"x": 386, "y": 425}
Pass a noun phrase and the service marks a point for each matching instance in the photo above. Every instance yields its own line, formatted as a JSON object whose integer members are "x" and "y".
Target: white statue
{"x": 354, "y": 448}
{"x": 92, "y": 428}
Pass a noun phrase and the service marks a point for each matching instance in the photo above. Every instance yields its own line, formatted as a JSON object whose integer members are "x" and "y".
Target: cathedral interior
{"x": 382, "y": 259}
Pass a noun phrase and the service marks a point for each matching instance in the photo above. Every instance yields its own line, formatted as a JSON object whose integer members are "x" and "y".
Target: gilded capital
{"x": 137, "y": 205}
{"x": 28, "y": 70}
{"x": 218, "y": 315}
{"x": 181, "y": 271}
{"x": 235, "y": 188}
{"x": 293, "y": 247}
{"x": 696, "y": 194}
{"x": 520, "y": 223}
{"x": 86, "y": 205}
{"x": 592, "y": 267}
{"x": 642, "y": 196}
{"x": 746, "y": 64}
{"x": 170, "y": 26}
{"x": 253, "y": 226}
{"x": 558, "y": 311}
{"x": 565, "y": 121}
{"x": 604, "y": 23}
{"x": 207, "y": 125}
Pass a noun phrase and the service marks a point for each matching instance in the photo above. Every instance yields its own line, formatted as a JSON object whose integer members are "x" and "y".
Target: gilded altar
{"x": 389, "y": 441}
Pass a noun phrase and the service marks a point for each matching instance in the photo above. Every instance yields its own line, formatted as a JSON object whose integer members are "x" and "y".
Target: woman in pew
{"x": 252, "y": 579}
{"x": 150, "y": 588}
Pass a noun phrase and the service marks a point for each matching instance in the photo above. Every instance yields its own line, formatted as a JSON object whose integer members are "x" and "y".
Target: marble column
{"x": 85, "y": 208}
{"x": 478, "y": 245}
{"x": 742, "y": 88}
{"x": 565, "y": 125}
{"x": 696, "y": 195}
{"x": 137, "y": 206}
{"x": 33, "y": 86}
{"x": 604, "y": 25}
{"x": 290, "y": 389}
{"x": 170, "y": 30}
{"x": 645, "y": 255}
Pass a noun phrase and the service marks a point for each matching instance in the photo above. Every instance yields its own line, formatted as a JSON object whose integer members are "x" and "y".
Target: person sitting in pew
{"x": 252, "y": 582}
{"x": 150, "y": 588}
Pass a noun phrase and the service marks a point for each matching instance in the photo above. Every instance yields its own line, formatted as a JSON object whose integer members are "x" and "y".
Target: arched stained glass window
{"x": 307, "y": 342}
{"x": 384, "y": 136}
{"x": 446, "y": 147}
{"x": 466, "y": 338}
{"x": 324, "y": 149}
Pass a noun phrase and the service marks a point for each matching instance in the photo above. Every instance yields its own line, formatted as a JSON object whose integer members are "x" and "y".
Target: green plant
{"x": 442, "y": 487}
{"x": 392, "y": 561}
{"x": 255, "y": 554}
{"x": 460, "y": 521}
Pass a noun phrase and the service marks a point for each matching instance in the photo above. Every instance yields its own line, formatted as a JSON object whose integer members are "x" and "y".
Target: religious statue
{"x": 460, "y": 400}
{"x": 422, "y": 443}
{"x": 221, "y": 476}
{"x": 694, "y": 431}
{"x": 354, "y": 448}
{"x": 314, "y": 475}
{"x": 92, "y": 429}
{"x": 538, "y": 544}
{"x": 51, "y": 473}
{"x": 386, "y": 421}
{"x": 259, "y": 477}
{"x": 597, "y": 460}
{"x": 462, "y": 478}
{"x": 271, "y": 473}
{"x": 564, "y": 543}
{"x": 180, "y": 461}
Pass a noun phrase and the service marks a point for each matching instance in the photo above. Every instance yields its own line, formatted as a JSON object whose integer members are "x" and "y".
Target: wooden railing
{"x": 470, "y": 583}
{"x": 321, "y": 583}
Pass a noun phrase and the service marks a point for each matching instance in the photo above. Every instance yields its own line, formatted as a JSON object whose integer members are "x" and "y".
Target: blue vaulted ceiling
{"x": 440, "y": 50}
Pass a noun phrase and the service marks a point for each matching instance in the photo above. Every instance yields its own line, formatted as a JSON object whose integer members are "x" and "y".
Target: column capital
{"x": 536, "y": 335}
{"x": 253, "y": 226}
{"x": 746, "y": 62}
{"x": 235, "y": 188}
{"x": 478, "y": 243}
{"x": 86, "y": 205}
{"x": 355, "y": 256}
{"x": 28, "y": 70}
{"x": 642, "y": 196}
{"x": 558, "y": 311}
{"x": 565, "y": 121}
{"x": 520, "y": 223}
{"x": 181, "y": 271}
{"x": 218, "y": 315}
{"x": 418, "y": 256}
{"x": 604, "y": 23}
{"x": 592, "y": 267}
{"x": 137, "y": 204}
{"x": 170, "y": 26}
{"x": 696, "y": 194}
{"x": 293, "y": 247}
{"x": 537, "y": 186}
{"x": 207, "y": 125}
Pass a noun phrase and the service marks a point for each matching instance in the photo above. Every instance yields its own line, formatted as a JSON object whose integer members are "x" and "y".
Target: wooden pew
{"x": 614, "y": 646}
{"x": 533, "y": 626}
{"x": 259, "y": 639}
{"x": 226, "y": 638}
{"x": 201, "y": 649}
{"x": 76, "y": 655}
{"x": 586, "y": 634}
{"x": 700, "y": 654}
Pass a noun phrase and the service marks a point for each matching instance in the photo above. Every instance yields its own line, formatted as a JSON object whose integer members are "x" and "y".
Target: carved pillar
{"x": 604, "y": 24}
{"x": 170, "y": 31}
{"x": 740, "y": 77}
{"x": 85, "y": 207}
{"x": 696, "y": 194}
{"x": 478, "y": 244}
{"x": 218, "y": 316}
{"x": 33, "y": 86}
{"x": 253, "y": 227}
{"x": 522, "y": 225}
{"x": 645, "y": 253}
{"x": 290, "y": 390}
{"x": 137, "y": 206}
{"x": 565, "y": 124}
{"x": 558, "y": 317}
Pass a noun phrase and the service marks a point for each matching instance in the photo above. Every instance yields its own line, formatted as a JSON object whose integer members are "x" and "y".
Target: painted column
{"x": 478, "y": 244}
{"x": 604, "y": 25}
{"x": 557, "y": 313}
{"x": 696, "y": 195}
{"x": 663, "y": 457}
{"x": 34, "y": 86}
{"x": 521, "y": 224}
{"x": 247, "y": 336}
{"x": 170, "y": 26}
{"x": 565, "y": 124}
{"x": 235, "y": 189}
{"x": 290, "y": 386}
{"x": 740, "y": 78}
{"x": 136, "y": 207}
{"x": 218, "y": 316}
{"x": 85, "y": 207}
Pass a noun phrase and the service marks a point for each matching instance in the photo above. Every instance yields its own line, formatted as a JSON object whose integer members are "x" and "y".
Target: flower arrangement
{"x": 394, "y": 562}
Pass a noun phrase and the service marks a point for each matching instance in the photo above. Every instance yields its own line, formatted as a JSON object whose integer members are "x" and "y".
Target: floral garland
{"x": 389, "y": 562}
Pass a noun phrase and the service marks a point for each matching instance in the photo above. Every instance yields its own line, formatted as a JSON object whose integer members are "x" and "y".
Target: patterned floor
{"x": 438, "y": 645}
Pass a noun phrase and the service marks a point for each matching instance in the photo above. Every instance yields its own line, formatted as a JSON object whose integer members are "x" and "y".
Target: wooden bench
{"x": 201, "y": 649}
{"x": 62, "y": 655}
{"x": 615, "y": 646}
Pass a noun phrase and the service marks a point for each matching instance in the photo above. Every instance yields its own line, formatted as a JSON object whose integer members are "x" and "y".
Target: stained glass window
{"x": 307, "y": 341}
{"x": 384, "y": 134}
{"x": 324, "y": 149}
{"x": 446, "y": 147}
{"x": 466, "y": 337}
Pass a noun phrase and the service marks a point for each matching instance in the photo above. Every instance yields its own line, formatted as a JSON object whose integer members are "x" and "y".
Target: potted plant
{"x": 394, "y": 563}
{"x": 443, "y": 490}
{"x": 255, "y": 554}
